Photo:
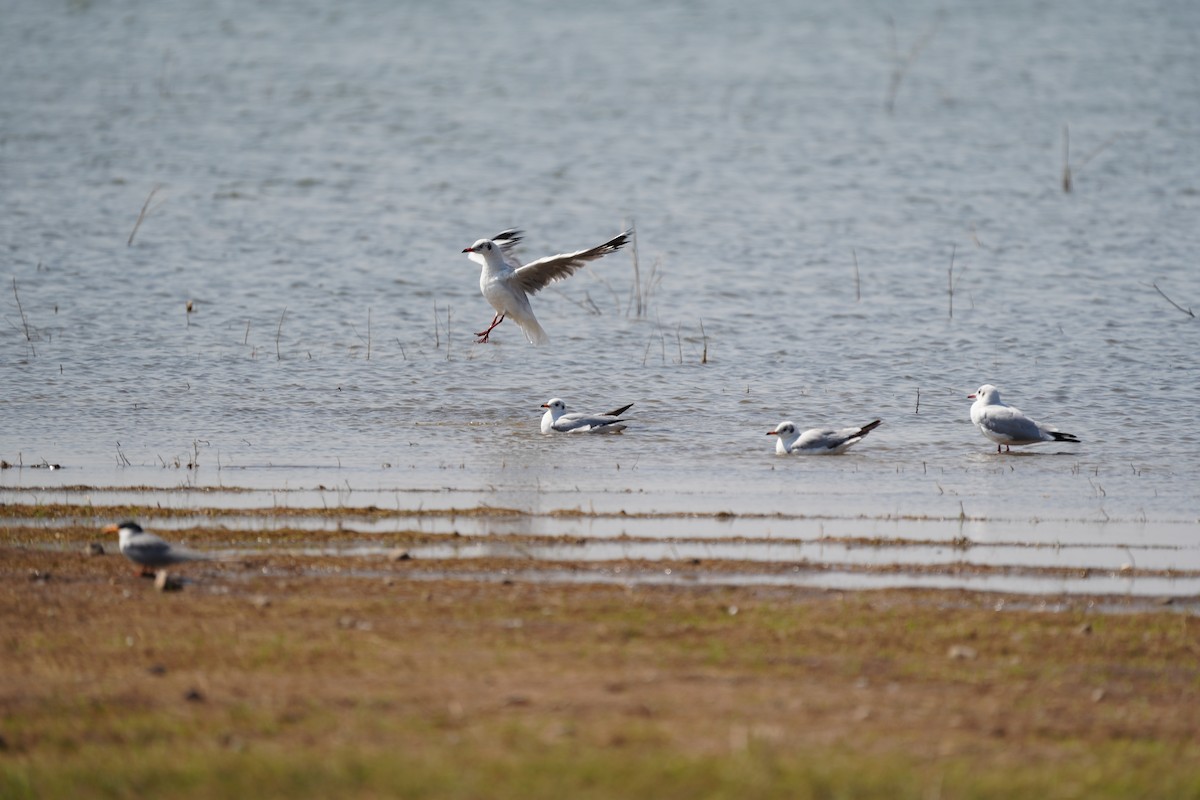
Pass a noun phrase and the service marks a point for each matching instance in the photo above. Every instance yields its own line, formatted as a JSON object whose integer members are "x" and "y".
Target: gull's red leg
{"x": 495, "y": 317}
{"x": 483, "y": 336}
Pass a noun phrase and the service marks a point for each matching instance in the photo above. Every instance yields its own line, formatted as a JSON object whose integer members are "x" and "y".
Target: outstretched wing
{"x": 536, "y": 274}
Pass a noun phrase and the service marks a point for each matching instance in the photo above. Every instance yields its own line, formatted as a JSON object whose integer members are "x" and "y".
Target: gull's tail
{"x": 532, "y": 330}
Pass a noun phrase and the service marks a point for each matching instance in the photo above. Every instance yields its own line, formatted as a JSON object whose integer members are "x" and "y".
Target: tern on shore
{"x": 147, "y": 550}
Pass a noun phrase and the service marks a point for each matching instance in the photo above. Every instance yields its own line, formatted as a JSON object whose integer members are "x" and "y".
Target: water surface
{"x": 318, "y": 171}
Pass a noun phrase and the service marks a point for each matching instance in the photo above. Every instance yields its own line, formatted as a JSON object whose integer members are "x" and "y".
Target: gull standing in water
{"x": 148, "y": 550}
{"x": 506, "y": 284}
{"x": 1006, "y": 425}
{"x": 557, "y": 419}
{"x": 818, "y": 441}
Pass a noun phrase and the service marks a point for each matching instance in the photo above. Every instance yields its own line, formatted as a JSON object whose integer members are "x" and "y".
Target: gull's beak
{"x": 970, "y": 397}
{"x": 110, "y": 528}
{"x": 468, "y": 249}
{"x": 544, "y": 405}
{"x": 772, "y": 433}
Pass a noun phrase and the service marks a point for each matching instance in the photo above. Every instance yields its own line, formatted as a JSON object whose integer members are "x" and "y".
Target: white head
{"x": 555, "y": 407}
{"x": 986, "y": 394}
{"x": 787, "y": 433}
{"x": 483, "y": 251}
{"x": 125, "y": 531}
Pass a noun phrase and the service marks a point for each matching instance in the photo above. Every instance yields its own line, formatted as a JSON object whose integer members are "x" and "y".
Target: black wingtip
{"x": 1059, "y": 436}
{"x": 870, "y": 426}
{"x": 617, "y": 242}
{"x": 512, "y": 235}
{"x": 618, "y": 412}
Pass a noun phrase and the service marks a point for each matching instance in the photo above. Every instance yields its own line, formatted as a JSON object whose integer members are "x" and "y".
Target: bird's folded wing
{"x": 1010, "y": 422}
{"x": 536, "y": 274}
{"x": 148, "y": 546}
{"x": 835, "y": 439}
{"x": 571, "y": 423}
{"x": 817, "y": 438}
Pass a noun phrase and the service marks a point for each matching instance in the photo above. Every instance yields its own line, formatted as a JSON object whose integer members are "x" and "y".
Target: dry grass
{"x": 316, "y": 682}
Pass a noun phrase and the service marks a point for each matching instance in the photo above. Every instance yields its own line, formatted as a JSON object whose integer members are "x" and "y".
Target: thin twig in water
{"x": 24, "y": 320}
{"x": 590, "y": 306}
{"x": 447, "y": 331}
{"x": 1068, "y": 181}
{"x": 653, "y": 282}
{"x": 597, "y": 277}
{"x": 437, "y": 339}
{"x": 857, "y": 293}
{"x": 1187, "y": 310}
{"x": 704, "y": 336}
{"x": 903, "y": 65}
{"x": 917, "y": 410}
{"x": 662, "y": 338}
{"x": 643, "y": 291}
{"x": 639, "y": 293}
{"x": 278, "y": 330}
{"x": 636, "y": 289}
{"x": 142, "y": 215}
{"x": 951, "y": 281}
{"x": 1097, "y": 151}
{"x": 679, "y": 341}
{"x": 246, "y": 338}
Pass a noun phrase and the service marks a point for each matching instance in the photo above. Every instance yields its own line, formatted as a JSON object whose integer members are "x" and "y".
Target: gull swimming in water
{"x": 507, "y": 285}
{"x": 818, "y": 441}
{"x": 148, "y": 550}
{"x": 557, "y": 419}
{"x": 1007, "y": 425}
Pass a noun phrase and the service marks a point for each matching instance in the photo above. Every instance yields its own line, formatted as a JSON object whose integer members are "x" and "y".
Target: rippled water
{"x": 319, "y": 169}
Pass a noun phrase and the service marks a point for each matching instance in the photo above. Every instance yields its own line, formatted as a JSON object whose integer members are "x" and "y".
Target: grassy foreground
{"x": 245, "y": 684}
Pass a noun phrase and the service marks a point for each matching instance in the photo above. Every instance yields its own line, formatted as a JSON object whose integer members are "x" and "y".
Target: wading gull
{"x": 1007, "y": 425}
{"x": 506, "y": 284}
{"x": 556, "y": 419}
{"x": 818, "y": 441}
